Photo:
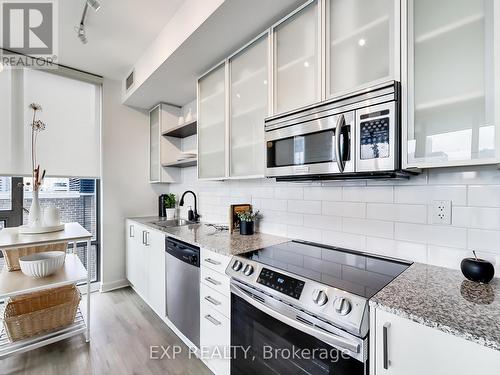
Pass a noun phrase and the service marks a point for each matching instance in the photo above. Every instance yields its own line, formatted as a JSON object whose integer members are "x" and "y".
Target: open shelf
{"x": 8, "y": 348}
{"x": 182, "y": 131}
{"x": 181, "y": 163}
{"x": 15, "y": 282}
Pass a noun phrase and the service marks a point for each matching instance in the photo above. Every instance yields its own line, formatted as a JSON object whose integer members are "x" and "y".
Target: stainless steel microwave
{"x": 356, "y": 136}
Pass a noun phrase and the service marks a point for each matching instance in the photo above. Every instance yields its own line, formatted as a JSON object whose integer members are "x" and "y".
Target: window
{"x": 77, "y": 199}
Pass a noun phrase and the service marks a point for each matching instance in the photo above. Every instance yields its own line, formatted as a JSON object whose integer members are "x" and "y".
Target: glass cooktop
{"x": 352, "y": 271}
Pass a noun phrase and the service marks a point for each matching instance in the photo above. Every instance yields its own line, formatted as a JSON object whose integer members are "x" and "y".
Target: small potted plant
{"x": 247, "y": 222}
{"x": 169, "y": 204}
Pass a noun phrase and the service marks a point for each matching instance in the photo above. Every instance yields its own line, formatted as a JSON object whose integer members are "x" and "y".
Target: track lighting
{"x": 80, "y": 29}
{"x": 94, "y": 4}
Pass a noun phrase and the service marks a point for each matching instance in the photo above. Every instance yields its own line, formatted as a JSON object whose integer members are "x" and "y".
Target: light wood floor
{"x": 123, "y": 328}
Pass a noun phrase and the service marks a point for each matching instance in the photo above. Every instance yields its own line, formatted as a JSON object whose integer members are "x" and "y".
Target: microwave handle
{"x": 338, "y": 131}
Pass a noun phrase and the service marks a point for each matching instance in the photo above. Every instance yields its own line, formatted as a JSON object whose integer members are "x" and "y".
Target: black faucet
{"x": 181, "y": 203}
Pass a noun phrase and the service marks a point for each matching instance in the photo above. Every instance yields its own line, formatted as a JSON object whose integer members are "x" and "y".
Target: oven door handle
{"x": 331, "y": 339}
{"x": 338, "y": 131}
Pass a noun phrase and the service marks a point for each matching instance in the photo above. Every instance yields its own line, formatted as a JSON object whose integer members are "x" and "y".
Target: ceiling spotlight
{"x": 94, "y": 4}
{"x": 362, "y": 42}
{"x": 80, "y": 32}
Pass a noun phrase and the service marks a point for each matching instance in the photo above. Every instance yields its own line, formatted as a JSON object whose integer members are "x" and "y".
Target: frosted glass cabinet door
{"x": 360, "y": 44}
{"x": 297, "y": 67}
{"x": 212, "y": 125}
{"x": 453, "y": 82}
{"x": 249, "y": 99}
{"x": 154, "y": 145}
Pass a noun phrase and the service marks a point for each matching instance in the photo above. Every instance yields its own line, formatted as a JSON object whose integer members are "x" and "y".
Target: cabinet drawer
{"x": 215, "y": 338}
{"x": 216, "y": 300}
{"x": 215, "y": 261}
{"x": 215, "y": 280}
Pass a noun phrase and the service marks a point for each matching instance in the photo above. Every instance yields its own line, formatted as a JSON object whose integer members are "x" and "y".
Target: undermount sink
{"x": 173, "y": 223}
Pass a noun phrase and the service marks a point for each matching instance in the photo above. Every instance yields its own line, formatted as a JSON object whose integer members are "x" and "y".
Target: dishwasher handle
{"x": 184, "y": 252}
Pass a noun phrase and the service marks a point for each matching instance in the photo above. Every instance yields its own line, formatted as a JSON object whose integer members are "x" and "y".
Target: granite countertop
{"x": 208, "y": 237}
{"x": 442, "y": 298}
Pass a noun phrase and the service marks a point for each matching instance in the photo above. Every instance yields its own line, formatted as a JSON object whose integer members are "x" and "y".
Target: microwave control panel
{"x": 282, "y": 283}
{"x": 374, "y": 135}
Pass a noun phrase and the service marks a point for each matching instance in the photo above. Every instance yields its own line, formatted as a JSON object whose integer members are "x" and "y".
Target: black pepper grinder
{"x": 190, "y": 214}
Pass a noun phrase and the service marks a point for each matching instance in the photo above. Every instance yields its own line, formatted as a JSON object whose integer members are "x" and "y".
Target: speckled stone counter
{"x": 207, "y": 237}
{"x": 442, "y": 298}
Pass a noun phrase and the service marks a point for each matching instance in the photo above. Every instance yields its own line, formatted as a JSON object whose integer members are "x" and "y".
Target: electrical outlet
{"x": 441, "y": 212}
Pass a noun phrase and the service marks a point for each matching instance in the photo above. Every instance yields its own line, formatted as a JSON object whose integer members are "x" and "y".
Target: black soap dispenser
{"x": 190, "y": 214}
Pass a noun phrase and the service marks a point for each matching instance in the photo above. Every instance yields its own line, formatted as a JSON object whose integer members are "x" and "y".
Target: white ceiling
{"x": 117, "y": 34}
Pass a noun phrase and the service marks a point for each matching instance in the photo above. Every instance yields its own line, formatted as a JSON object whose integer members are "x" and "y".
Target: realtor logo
{"x": 29, "y": 28}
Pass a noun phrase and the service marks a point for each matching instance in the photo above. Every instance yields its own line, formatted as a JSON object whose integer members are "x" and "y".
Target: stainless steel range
{"x": 299, "y": 296}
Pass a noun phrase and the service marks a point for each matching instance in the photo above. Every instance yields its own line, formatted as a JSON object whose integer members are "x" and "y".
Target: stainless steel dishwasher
{"x": 183, "y": 287}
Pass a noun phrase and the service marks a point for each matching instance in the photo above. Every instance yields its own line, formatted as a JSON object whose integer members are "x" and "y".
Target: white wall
{"x": 385, "y": 217}
{"x": 126, "y": 191}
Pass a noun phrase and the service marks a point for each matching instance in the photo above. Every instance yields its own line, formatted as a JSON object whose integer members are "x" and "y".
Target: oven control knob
{"x": 319, "y": 297}
{"x": 342, "y": 306}
{"x": 237, "y": 265}
{"x": 248, "y": 270}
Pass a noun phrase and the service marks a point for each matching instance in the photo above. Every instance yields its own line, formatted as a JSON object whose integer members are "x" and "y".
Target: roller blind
{"x": 70, "y": 144}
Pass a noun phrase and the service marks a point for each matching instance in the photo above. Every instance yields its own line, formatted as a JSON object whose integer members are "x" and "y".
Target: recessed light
{"x": 362, "y": 42}
{"x": 306, "y": 64}
{"x": 238, "y": 96}
{"x": 265, "y": 82}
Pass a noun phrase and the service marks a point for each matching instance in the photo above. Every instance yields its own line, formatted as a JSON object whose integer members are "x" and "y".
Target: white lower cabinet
{"x": 414, "y": 349}
{"x": 215, "y": 312}
{"x": 145, "y": 264}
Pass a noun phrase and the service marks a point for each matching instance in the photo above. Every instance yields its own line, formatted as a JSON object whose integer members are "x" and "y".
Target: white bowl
{"x": 42, "y": 264}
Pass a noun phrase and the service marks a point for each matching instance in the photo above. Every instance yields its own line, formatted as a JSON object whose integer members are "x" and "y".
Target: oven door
{"x": 265, "y": 341}
{"x": 319, "y": 146}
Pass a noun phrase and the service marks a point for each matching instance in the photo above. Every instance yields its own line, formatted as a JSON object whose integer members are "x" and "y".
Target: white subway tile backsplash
{"x": 446, "y": 256}
{"x": 345, "y": 209}
{"x": 302, "y": 233}
{"x": 305, "y": 207}
{"x": 411, "y": 251}
{"x": 289, "y": 192}
{"x": 476, "y": 217}
{"x": 383, "y": 217}
{"x": 408, "y": 213}
{"x": 487, "y": 240}
{"x": 484, "y": 196}
{"x": 347, "y": 240}
{"x": 368, "y": 194}
{"x": 428, "y": 194}
{"x": 368, "y": 227}
{"x": 333, "y": 223}
{"x": 431, "y": 234}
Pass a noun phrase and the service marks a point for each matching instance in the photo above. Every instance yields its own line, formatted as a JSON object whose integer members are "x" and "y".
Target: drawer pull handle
{"x": 385, "y": 349}
{"x": 212, "y": 320}
{"x": 213, "y": 301}
{"x": 212, "y": 281}
{"x": 131, "y": 231}
{"x": 211, "y": 261}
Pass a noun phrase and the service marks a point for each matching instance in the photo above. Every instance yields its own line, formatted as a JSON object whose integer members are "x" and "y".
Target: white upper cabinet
{"x": 297, "y": 59}
{"x": 249, "y": 107}
{"x": 212, "y": 124}
{"x": 453, "y": 82}
{"x": 362, "y": 44}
